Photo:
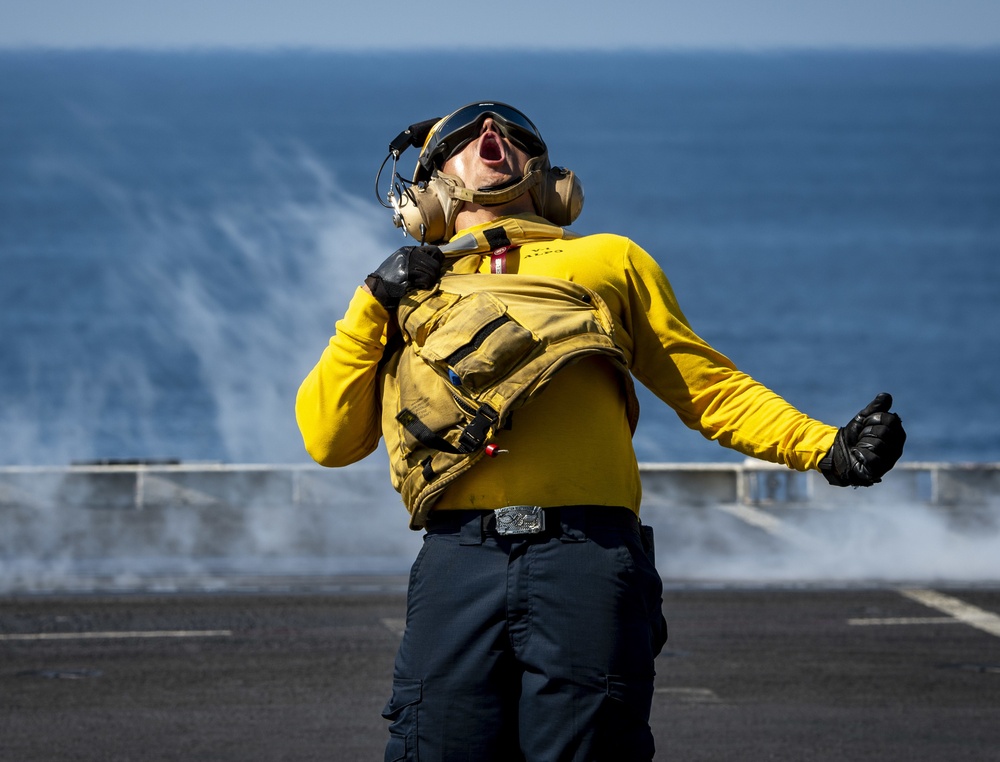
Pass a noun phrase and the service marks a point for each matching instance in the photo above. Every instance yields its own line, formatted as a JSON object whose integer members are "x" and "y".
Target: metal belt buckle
{"x": 520, "y": 519}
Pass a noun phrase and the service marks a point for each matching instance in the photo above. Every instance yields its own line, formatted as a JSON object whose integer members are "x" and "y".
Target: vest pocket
{"x": 477, "y": 343}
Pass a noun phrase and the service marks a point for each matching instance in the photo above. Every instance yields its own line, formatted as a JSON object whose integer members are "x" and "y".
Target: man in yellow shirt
{"x": 534, "y": 609}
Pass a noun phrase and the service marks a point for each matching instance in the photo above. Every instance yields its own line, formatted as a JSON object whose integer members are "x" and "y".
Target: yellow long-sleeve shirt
{"x": 572, "y": 444}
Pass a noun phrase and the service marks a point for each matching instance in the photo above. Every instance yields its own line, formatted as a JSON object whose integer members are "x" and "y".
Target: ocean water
{"x": 180, "y": 231}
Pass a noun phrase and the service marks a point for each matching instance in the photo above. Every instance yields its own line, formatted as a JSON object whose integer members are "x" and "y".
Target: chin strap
{"x": 495, "y": 197}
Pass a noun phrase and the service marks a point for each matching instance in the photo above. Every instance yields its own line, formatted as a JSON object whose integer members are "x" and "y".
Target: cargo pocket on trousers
{"x": 626, "y": 716}
{"x": 401, "y": 711}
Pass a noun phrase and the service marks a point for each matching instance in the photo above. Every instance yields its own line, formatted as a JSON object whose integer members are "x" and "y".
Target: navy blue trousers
{"x": 532, "y": 647}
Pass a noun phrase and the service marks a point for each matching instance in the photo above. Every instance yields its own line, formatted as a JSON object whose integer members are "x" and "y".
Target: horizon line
{"x": 263, "y": 48}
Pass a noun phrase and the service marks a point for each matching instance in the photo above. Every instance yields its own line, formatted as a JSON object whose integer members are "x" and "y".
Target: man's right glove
{"x": 407, "y": 269}
{"x": 866, "y": 448}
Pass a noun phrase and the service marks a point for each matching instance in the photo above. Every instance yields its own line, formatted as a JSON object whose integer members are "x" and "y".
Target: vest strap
{"x": 472, "y": 438}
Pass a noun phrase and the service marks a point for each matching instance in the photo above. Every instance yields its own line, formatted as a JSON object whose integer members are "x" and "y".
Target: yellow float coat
{"x": 572, "y": 444}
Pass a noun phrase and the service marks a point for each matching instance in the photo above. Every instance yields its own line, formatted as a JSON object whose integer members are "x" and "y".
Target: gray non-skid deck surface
{"x": 750, "y": 674}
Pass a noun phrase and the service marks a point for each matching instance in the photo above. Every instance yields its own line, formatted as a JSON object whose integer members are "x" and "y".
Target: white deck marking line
{"x": 397, "y": 626}
{"x": 905, "y": 620}
{"x": 117, "y": 635}
{"x": 768, "y": 522}
{"x": 690, "y": 695}
{"x": 960, "y": 610}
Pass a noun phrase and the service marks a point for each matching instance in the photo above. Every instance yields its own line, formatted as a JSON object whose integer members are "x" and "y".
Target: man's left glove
{"x": 866, "y": 448}
{"x": 407, "y": 269}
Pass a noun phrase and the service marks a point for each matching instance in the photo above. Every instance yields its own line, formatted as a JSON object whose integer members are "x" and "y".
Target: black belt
{"x": 527, "y": 520}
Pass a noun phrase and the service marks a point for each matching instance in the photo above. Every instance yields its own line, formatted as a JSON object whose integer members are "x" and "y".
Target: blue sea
{"x": 180, "y": 231}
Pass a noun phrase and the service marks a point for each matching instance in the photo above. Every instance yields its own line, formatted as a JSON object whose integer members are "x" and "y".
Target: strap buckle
{"x": 520, "y": 519}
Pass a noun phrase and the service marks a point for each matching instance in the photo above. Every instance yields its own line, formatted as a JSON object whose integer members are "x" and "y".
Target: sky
{"x": 492, "y": 28}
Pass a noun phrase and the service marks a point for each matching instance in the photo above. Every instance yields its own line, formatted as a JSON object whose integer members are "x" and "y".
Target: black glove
{"x": 407, "y": 269}
{"x": 866, "y": 448}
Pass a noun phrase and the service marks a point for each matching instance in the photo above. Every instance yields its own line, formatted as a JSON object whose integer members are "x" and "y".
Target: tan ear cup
{"x": 422, "y": 214}
{"x": 434, "y": 205}
{"x": 562, "y": 197}
{"x": 559, "y": 197}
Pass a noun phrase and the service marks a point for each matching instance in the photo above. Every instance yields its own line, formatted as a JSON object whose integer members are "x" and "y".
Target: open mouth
{"x": 491, "y": 148}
